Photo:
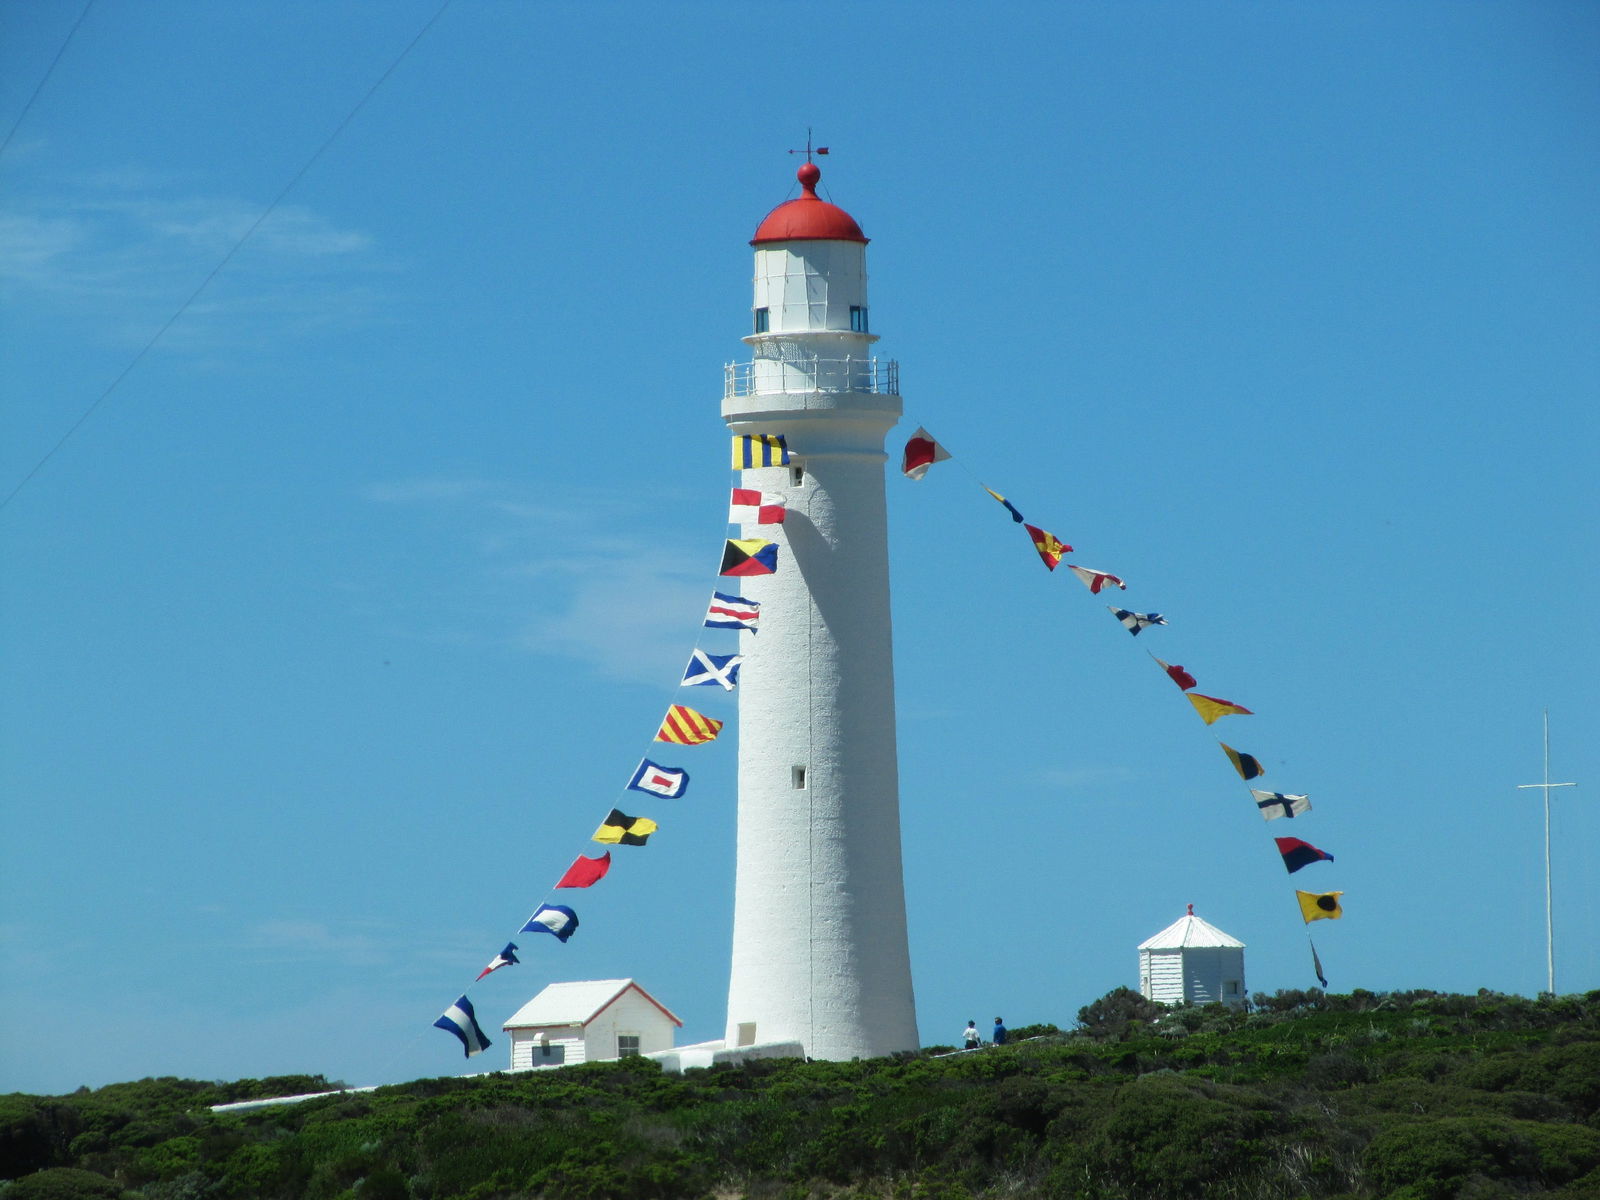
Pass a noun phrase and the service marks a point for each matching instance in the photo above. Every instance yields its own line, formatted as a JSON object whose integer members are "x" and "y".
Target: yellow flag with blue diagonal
{"x": 753, "y": 450}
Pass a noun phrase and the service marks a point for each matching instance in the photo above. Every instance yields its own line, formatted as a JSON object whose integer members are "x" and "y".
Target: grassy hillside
{"x": 1415, "y": 1096}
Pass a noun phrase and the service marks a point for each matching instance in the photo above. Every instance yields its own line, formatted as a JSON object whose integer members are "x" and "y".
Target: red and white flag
{"x": 921, "y": 453}
{"x": 750, "y": 507}
{"x": 1095, "y": 580}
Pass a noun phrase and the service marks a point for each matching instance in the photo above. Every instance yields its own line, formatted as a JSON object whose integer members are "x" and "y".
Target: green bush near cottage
{"x": 1405, "y": 1096}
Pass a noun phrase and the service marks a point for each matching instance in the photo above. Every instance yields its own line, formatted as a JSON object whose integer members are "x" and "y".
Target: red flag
{"x": 921, "y": 453}
{"x": 1178, "y": 675}
{"x": 586, "y": 871}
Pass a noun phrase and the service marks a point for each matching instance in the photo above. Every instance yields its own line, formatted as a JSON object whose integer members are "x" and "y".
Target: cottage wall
{"x": 632, "y": 1014}
{"x": 547, "y": 1046}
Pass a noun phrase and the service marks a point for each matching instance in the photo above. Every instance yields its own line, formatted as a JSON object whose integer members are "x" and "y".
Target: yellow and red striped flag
{"x": 687, "y": 727}
{"x": 1210, "y": 707}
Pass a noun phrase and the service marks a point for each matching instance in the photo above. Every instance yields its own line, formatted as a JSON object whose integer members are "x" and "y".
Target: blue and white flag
{"x": 505, "y": 958}
{"x": 732, "y": 612}
{"x": 553, "y": 918}
{"x": 1136, "y": 622}
{"x": 707, "y": 669}
{"x": 658, "y": 780}
{"x": 460, "y": 1020}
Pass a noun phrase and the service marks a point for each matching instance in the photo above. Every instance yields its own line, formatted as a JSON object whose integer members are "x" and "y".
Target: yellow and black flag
{"x": 1248, "y": 766}
{"x": 619, "y": 829}
{"x": 1319, "y": 906}
{"x": 759, "y": 450}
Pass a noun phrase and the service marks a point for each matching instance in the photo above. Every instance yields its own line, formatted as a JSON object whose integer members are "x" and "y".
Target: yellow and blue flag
{"x": 752, "y": 450}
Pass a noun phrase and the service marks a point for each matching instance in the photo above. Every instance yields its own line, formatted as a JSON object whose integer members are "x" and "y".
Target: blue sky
{"x": 335, "y": 629}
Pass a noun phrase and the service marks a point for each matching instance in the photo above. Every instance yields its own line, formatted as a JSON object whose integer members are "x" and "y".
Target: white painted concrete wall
{"x": 819, "y": 948}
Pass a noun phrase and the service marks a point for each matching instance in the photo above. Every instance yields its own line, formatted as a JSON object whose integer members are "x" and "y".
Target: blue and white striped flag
{"x": 732, "y": 612}
{"x": 460, "y": 1020}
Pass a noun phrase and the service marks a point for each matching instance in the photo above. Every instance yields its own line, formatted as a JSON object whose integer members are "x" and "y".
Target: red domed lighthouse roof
{"x": 808, "y": 218}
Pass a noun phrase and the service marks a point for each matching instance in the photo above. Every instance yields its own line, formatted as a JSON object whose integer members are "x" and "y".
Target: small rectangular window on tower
{"x": 763, "y": 319}
{"x": 799, "y": 779}
{"x": 797, "y": 477}
{"x": 858, "y": 318}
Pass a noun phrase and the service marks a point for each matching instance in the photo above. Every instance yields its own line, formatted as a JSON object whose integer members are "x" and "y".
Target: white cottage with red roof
{"x": 590, "y": 1021}
{"x": 1191, "y": 961}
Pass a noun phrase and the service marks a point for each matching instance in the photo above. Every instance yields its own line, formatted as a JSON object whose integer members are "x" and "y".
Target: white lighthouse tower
{"x": 819, "y": 934}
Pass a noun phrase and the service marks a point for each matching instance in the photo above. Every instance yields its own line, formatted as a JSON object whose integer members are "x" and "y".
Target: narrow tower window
{"x": 763, "y": 319}
{"x": 799, "y": 779}
{"x": 797, "y": 477}
{"x": 858, "y": 318}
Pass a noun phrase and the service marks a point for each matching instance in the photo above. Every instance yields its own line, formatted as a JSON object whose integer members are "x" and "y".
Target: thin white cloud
{"x": 124, "y": 252}
{"x": 626, "y": 603}
{"x": 1083, "y": 778}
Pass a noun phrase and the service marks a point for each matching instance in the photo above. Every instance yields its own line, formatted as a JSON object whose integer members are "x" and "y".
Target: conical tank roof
{"x": 1190, "y": 932}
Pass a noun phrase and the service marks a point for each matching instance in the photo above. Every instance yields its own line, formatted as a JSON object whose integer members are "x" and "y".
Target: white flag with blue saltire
{"x": 705, "y": 670}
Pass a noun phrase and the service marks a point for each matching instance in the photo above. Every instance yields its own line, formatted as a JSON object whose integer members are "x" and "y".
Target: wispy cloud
{"x": 124, "y": 251}
{"x": 1074, "y": 779}
{"x": 625, "y": 603}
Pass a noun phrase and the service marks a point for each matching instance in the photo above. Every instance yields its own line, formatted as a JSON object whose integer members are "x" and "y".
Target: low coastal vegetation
{"x": 1403, "y": 1096}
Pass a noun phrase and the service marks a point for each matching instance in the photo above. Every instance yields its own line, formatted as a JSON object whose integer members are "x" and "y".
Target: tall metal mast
{"x": 1549, "y": 911}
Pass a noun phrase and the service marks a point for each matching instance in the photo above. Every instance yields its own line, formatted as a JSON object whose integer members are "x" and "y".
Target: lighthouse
{"x": 819, "y": 928}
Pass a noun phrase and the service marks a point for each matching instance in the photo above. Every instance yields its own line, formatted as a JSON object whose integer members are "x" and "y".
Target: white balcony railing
{"x": 813, "y": 374}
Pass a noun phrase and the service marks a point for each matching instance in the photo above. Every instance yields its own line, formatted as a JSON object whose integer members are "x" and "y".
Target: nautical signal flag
{"x": 921, "y": 453}
{"x": 1297, "y": 854}
{"x": 1010, "y": 507}
{"x": 750, "y": 507}
{"x": 507, "y": 957}
{"x": 1136, "y": 623}
{"x": 619, "y": 829}
{"x": 1319, "y": 906}
{"x": 553, "y": 918}
{"x": 1211, "y": 707}
{"x": 759, "y": 450}
{"x": 1049, "y": 546}
{"x": 706, "y": 670}
{"x": 1316, "y": 964}
{"x": 1179, "y": 676}
{"x": 749, "y": 556}
{"x": 1280, "y": 804}
{"x": 658, "y": 780}
{"x": 585, "y": 872}
{"x": 686, "y": 727}
{"x": 732, "y": 612}
{"x": 460, "y": 1020}
{"x": 1096, "y": 580}
{"x": 1248, "y": 766}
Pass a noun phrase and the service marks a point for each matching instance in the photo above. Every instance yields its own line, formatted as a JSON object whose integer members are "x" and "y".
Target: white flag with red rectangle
{"x": 750, "y": 507}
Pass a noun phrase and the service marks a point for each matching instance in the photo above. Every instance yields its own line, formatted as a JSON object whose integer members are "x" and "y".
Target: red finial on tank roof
{"x": 1191, "y": 910}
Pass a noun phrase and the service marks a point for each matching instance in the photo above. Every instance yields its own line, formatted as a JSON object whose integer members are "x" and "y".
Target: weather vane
{"x": 810, "y": 149}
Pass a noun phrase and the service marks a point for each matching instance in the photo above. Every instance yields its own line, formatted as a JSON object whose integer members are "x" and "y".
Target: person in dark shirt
{"x": 999, "y": 1035}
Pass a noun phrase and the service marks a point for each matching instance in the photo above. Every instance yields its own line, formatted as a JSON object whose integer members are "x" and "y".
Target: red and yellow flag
{"x": 1049, "y": 546}
{"x": 687, "y": 728}
{"x": 1210, "y": 707}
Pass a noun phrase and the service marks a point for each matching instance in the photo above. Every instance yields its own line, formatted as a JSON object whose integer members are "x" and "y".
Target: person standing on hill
{"x": 970, "y": 1037}
{"x": 999, "y": 1035}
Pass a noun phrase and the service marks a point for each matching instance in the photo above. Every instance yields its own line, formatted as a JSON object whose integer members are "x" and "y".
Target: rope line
{"x": 227, "y": 257}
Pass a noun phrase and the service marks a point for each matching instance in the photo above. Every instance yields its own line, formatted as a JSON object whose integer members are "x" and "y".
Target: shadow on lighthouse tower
{"x": 819, "y": 939}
